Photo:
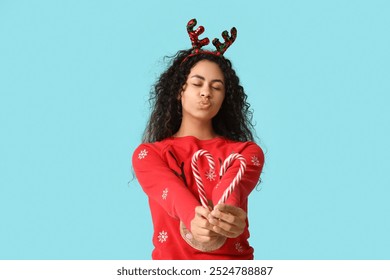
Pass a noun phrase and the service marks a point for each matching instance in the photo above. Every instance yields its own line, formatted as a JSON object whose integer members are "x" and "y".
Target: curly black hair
{"x": 234, "y": 119}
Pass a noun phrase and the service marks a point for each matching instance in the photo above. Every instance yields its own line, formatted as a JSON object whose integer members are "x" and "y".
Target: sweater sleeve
{"x": 254, "y": 157}
{"x": 161, "y": 184}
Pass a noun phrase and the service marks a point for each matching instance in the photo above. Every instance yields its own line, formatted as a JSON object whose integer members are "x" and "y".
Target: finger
{"x": 237, "y": 227}
{"x": 231, "y": 224}
{"x": 238, "y": 221}
{"x": 203, "y": 235}
{"x": 226, "y": 233}
{"x": 200, "y": 220}
{"x": 234, "y": 210}
{"x": 227, "y": 217}
{"x": 202, "y": 212}
{"x": 223, "y": 225}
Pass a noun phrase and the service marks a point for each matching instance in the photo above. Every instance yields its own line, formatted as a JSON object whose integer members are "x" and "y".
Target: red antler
{"x": 196, "y": 43}
{"x": 221, "y": 48}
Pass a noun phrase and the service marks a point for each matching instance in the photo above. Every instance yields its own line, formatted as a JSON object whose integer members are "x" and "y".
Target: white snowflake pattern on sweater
{"x": 142, "y": 154}
{"x": 255, "y": 161}
{"x": 239, "y": 247}
{"x": 210, "y": 175}
{"x": 162, "y": 236}
{"x": 164, "y": 194}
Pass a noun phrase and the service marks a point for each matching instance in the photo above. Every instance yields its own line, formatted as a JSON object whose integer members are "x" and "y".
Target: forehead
{"x": 207, "y": 69}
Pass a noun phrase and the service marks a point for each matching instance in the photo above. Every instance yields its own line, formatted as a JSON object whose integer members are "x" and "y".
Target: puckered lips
{"x": 204, "y": 105}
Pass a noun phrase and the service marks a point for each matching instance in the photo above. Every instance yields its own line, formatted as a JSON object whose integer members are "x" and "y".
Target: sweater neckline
{"x": 190, "y": 138}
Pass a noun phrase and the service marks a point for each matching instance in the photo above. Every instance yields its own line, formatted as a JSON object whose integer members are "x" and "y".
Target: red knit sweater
{"x": 163, "y": 169}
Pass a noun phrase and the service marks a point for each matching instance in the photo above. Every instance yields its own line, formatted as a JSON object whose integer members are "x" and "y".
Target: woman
{"x": 199, "y": 105}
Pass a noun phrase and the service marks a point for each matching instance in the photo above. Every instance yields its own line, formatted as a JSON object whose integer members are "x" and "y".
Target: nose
{"x": 205, "y": 93}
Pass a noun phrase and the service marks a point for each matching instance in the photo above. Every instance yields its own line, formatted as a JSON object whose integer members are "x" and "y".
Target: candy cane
{"x": 226, "y": 164}
{"x": 198, "y": 179}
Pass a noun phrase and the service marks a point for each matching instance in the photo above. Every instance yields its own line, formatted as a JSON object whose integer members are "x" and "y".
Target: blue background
{"x": 74, "y": 84}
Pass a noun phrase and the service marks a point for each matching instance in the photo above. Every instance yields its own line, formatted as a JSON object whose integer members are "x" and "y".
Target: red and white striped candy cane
{"x": 226, "y": 164}
{"x": 198, "y": 179}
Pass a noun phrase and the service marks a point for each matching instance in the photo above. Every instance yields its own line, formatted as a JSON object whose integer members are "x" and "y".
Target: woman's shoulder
{"x": 243, "y": 144}
{"x": 247, "y": 148}
{"x": 148, "y": 152}
{"x": 157, "y": 146}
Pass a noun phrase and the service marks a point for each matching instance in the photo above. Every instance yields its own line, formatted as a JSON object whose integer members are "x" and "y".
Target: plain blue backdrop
{"x": 74, "y": 84}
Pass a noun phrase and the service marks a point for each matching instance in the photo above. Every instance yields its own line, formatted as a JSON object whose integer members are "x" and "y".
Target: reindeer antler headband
{"x": 198, "y": 44}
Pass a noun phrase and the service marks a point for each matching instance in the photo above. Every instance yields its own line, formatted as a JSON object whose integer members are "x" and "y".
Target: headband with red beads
{"x": 198, "y": 44}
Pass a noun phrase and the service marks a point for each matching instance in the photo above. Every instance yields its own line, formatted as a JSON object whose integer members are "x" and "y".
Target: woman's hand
{"x": 210, "y": 228}
{"x": 201, "y": 229}
{"x": 226, "y": 220}
{"x": 202, "y": 236}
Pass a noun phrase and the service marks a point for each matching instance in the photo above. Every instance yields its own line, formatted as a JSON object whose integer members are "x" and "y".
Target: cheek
{"x": 221, "y": 99}
{"x": 218, "y": 105}
{"x": 186, "y": 102}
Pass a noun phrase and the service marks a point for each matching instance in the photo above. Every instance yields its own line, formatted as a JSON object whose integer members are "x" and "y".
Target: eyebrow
{"x": 203, "y": 79}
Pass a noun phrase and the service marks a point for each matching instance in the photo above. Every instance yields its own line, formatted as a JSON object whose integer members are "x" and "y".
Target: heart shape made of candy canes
{"x": 226, "y": 164}
{"x": 185, "y": 233}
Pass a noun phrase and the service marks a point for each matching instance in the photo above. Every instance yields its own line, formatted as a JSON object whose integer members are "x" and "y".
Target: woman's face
{"x": 203, "y": 92}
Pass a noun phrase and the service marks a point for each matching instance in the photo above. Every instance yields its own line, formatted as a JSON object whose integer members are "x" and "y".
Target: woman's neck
{"x": 201, "y": 131}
